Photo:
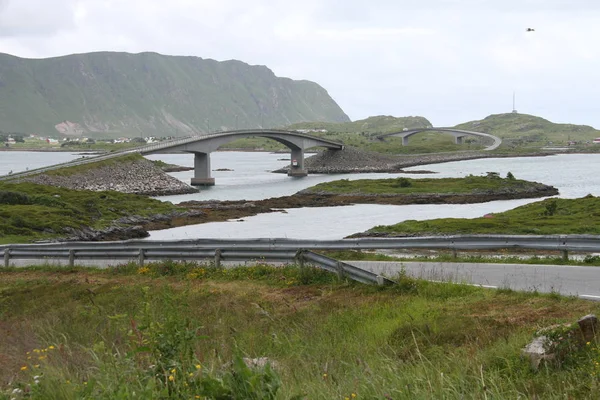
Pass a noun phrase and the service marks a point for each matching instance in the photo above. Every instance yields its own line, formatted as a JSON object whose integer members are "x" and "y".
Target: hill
{"x": 523, "y": 129}
{"x": 375, "y": 124}
{"x": 109, "y": 94}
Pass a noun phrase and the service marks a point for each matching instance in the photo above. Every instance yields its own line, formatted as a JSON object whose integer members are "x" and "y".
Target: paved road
{"x": 567, "y": 280}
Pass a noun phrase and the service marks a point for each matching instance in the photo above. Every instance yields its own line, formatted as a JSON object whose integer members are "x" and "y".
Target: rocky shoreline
{"x": 139, "y": 176}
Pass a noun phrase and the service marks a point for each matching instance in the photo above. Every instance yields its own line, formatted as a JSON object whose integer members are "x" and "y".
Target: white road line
{"x": 590, "y": 296}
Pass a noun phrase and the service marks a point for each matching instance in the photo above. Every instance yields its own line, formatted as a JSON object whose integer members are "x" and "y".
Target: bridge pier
{"x": 404, "y": 140}
{"x": 297, "y": 163}
{"x": 458, "y": 139}
{"x": 202, "y": 170}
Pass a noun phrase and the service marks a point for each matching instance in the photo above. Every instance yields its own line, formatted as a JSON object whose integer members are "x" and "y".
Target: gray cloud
{"x": 448, "y": 60}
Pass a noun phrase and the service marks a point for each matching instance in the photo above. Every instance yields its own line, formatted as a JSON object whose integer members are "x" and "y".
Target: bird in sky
{"x": 530, "y": 30}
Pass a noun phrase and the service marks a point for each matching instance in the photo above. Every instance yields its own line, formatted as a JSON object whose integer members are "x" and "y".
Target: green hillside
{"x": 110, "y": 94}
{"x": 376, "y": 124}
{"x": 528, "y": 130}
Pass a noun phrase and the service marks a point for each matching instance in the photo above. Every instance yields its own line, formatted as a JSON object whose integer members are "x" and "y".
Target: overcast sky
{"x": 450, "y": 61}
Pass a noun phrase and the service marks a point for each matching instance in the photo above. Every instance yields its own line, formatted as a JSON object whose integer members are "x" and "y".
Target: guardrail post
{"x": 565, "y": 255}
{"x": 454, "y": 254}
{"x": 299, "y": 258}
{"x": 6, "y": 258}
{"x": 71, "y": 258}
{"x": 380, "y": 280}
{"x": 141, "y": 258}
{"x": 340, "y": 270}
{"x": 218, "y": 258}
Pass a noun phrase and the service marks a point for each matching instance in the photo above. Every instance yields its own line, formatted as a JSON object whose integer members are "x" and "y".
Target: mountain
{"x": 108, "y": 94}
{"x": 523, "y": 128}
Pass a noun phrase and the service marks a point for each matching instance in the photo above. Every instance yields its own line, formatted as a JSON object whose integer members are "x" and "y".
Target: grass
{"x": 79, "y": 169}
{"x": 471, "y": 184}
{"x": 158, "y": 332}
{"x": 33, "y": 212}
{"x": 548, "y": 217}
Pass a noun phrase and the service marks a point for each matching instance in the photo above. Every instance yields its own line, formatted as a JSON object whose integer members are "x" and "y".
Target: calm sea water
{"x": 574, "y": 175}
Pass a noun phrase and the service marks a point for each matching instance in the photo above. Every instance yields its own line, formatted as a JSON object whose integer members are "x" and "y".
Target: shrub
{"x": 403, "y": 182}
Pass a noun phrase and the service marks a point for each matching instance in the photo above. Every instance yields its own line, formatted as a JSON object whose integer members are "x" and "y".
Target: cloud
{"x": 35, "y": 18}
{"x": 448, "y": 60}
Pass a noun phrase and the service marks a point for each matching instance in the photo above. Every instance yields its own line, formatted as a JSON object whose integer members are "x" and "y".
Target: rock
{"x": 557, "y": 342}
{"x": 588, "y": 326}
{"x": 136, "y": 177}
{"x": 260, "y": 362}
{"x": 536, "y": 351}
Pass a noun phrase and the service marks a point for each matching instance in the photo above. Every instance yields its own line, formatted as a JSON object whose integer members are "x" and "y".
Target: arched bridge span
{"x": 201, "y": 146}
{"x": 458, "y": 134}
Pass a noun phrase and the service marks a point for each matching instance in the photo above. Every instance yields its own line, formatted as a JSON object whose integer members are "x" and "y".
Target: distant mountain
{"x": 524, "y": 128}
{"x": 109, "y": 94}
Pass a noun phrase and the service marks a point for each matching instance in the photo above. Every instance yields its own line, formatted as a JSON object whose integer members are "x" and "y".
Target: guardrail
{"x": 190, "y": 253}
{"x": 288, "y": 249}
{"x": 579, "y": 243}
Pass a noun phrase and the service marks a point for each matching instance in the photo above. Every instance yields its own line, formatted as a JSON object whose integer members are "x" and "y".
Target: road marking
{"x": 590, "y": 296}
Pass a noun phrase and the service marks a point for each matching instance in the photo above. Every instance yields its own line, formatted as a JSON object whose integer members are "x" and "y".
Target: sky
{"x": 450, "y": 61}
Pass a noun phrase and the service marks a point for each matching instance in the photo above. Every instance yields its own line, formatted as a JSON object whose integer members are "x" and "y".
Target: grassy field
{"x": 547, "y": 217}
{"x": 32, "y": 212}
{"x": 178, "y": 331}
{"x": 470, "y": 184}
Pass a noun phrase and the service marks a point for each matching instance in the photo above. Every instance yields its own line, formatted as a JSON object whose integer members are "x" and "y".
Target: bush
{"x": 403, "y": 182}
{"x": 13, "y": 198}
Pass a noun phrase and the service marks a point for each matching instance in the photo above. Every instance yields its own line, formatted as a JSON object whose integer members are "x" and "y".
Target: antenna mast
{"x": 514, "y": 109}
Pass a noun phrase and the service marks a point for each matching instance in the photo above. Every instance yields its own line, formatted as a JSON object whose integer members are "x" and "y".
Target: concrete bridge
{"x": 201, "y": 146}
{"x": 458, "y": 134}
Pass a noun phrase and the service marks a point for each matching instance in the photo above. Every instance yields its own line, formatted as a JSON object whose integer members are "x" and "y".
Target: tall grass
{"x": 178, "y": 330}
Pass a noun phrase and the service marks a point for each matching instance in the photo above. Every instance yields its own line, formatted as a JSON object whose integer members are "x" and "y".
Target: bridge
{"x": 202, "y": 146}
{"x": 458, "y": 134}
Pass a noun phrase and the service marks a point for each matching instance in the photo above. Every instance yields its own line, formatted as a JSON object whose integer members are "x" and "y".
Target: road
{"x": 578, "y": 281}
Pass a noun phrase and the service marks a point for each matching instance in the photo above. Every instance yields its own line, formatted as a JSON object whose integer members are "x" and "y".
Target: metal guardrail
{"x": 578, "y": 243}
{"x": 288, "y": 249}
{"x": 189, "y": 253}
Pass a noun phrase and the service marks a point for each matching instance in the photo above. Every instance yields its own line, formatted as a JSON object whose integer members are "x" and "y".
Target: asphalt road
{"x": 567, "y": 280}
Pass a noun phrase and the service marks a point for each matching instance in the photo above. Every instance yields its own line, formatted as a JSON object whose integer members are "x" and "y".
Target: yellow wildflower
{"x": 171, "y": 378}
{"x": 24, "y": 368}
{"x": 198, "y": 366}
{"x": 51, "y": 347}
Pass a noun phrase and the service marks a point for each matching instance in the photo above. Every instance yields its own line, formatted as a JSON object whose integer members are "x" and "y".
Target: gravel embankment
{"x": 137, "y": 177}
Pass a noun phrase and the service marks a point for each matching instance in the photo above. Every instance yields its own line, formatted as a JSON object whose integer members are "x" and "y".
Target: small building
{"x": 596, "y": 141}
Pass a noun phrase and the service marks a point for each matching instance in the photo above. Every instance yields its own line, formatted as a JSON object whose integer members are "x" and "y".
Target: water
{"x": 17, "y": 161}
{"x": 575, "y": 175}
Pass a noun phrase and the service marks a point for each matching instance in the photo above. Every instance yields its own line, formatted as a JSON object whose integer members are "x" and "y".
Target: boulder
{"x": 557, "y": 342}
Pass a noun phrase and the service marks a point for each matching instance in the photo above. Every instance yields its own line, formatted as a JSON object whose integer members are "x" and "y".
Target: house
{"x": 596, "y": 141}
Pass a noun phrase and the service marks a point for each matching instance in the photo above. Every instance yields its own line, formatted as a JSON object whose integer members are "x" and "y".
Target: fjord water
{"x": 250, "y": 178}
{"x": 574, "y": 175}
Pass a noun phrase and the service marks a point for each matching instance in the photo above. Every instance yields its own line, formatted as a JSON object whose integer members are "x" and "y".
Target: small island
{"x": 32, "y": 211}
{"x": 548, "y": 217}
